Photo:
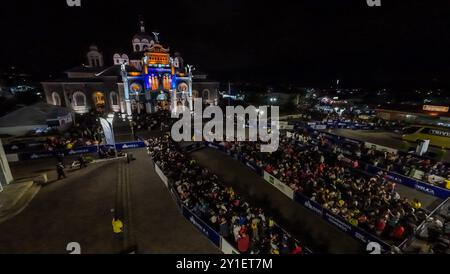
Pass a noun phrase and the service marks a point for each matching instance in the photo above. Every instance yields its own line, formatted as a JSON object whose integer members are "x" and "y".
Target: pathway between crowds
{"x": 158, "y": 224}
{"x": 303, "y": 224}
{"x": 78, "y": 209}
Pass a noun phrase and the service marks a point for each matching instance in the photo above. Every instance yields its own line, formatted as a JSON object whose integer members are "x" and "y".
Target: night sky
{"x": 307, "y": 43}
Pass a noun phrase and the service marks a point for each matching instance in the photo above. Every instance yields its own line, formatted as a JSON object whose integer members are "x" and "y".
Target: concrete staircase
{"x": 15, "y": 198}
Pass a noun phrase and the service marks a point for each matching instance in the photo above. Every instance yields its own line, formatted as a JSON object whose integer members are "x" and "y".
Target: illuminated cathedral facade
{"x": 144, "y": 81}
{"x": 162, "y": 83}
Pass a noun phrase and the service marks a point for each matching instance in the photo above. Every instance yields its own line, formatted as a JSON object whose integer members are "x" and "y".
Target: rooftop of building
{"x": 36, "y": 114}
{"x": 86, "y": 69}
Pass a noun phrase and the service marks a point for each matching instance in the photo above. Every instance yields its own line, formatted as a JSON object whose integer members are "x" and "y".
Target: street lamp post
{"x": 110, "y": 120}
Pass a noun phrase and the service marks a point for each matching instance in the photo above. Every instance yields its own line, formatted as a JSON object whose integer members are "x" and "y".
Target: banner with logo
{"x": 130, "y": 145}
{"x": 107, "y": 130}
{"x": 311, "y": 205}
{"x": 380, "y": 147}
{"x": 36, "y": 155}
{"x": 81, "y": 150}
{"x": 212, "y": 235}
{"x": 286, "y": 190}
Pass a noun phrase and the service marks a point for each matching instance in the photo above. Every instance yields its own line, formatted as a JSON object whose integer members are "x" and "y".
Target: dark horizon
{"x": 311, "y": 43}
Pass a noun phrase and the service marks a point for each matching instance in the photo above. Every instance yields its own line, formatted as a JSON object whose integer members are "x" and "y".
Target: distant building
{"x": 420, "y": 114}
{"x": 95, "y": 57}
{"x": 37, "y": 116}
{"x": 140, "y": 81}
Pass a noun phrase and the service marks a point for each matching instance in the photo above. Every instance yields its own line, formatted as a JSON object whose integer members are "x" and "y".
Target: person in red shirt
{"x": 243, "y": 243}
{"x": 380, "y": 226}
{"x": 321, "y": 167}
{"x": 243, "y": 230}
{"x": 398, "y": 232}
{"x": 297, "y": 249}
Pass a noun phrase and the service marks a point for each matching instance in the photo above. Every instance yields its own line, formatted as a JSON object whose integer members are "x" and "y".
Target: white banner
{"x": 380, "y": 148}
{"x": 286, "y": 190}
{"x": 286, "y": 127}
{"x": 6, "y": 175}
{"x": 107, "y": 131}
{"x": 294, "y": 116}
{"x": 161, "y": 175}
{"x": 227, "y": 248}
{"x": 12, "y": 157}
{"x": 319, "y": 127}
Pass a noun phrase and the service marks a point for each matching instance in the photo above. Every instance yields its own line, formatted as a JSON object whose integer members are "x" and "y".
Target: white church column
{"x": 148, "y": 104}
{"x": 191, "y": 106}
{"x": 173, "y": 101}
{"x": 6, "y": 176}
{"x": 128, "y": 104}
{"x": 126, "y": 89}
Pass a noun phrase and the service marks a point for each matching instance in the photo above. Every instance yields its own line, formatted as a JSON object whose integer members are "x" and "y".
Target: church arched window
{"x": 205, "y": 94}
{"x": 114, "y": 98}
{"x": 79, "y": 99}
{"x": 56, "y": 99}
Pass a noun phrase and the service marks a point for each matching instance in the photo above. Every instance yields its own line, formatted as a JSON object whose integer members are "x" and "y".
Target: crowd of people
{"x": 348, "y": 116}
{"x": 151, "y": 121}
{"x": 407, "y": 164}
{"x": 371, "y": 203}
{"x": 433, "y": 172}
{"x": 248, "y": 228}
{"x": 85, "y": 132}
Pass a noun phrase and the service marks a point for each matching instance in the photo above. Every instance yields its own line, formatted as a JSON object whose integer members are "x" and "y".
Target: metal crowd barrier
{"x": 424, "y": 225}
